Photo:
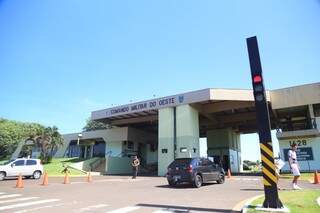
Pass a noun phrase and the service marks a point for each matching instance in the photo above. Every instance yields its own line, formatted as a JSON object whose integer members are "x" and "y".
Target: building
{"x": 162, "y": 129}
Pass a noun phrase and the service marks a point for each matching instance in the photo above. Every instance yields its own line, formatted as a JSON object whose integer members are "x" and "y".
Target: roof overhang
{"x": 295, "y": 96}
{"x": 149, "y": 109}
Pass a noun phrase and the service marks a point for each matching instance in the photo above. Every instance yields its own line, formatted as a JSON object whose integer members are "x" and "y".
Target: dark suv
{"x": 195, "y": 171}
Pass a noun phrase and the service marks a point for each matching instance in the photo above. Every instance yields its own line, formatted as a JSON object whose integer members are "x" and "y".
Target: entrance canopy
{"x": 219, "y": 108}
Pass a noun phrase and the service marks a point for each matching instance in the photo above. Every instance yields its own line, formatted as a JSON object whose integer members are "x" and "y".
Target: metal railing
{"x": 309, "y": 123}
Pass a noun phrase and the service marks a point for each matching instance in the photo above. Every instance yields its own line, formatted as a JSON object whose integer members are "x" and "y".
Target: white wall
{"x": 187, "y": 126}
{"x": 314, "y": 143}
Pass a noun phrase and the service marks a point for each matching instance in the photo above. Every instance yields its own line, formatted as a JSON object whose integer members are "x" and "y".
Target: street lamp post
{"x": 79, "y": 137}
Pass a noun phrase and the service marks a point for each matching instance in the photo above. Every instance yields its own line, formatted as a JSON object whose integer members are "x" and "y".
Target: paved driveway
{"x": 121, "y": 194}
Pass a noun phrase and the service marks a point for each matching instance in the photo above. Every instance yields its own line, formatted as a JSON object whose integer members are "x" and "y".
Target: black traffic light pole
{"x": 263, "y": 123}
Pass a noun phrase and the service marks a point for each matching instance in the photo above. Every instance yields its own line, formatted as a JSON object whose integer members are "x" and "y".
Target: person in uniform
{"x": 135, "y": 166}
{"x": 294, "y": 166}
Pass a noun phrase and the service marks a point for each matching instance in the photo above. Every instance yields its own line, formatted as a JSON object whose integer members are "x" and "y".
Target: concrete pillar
{"x": 85, "y": 151}
{"x": 222, "y": 143}
{"x": 187, "y": 132}
{"x": 91, "y": 151}
{"x": 166, "y": 139}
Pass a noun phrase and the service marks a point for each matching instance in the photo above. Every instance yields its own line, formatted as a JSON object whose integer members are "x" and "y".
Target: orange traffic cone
{"x": 316, "y": 178}
{"x": 89, "y": 178}
{"x": 66, "y": 179}
{"x": 229, "y": 173}
{"x": 19, "y": 182}
{"x": 45, "y": 179}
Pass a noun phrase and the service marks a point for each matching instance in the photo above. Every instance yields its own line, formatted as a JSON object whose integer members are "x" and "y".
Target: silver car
{"x": 26, "y": 167}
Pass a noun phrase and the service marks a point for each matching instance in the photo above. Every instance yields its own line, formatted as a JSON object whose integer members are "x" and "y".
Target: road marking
{"x": 28, "y": 204}
{"x": 125, "y": 209}
{"x": 246, "y": 179}
{"x": 8, "y": 196}
{"x": 170, "y": 210}
{"x": 37, "y": 208}
{"x": 93, "y": 207}
{"x": 17, "y": 199}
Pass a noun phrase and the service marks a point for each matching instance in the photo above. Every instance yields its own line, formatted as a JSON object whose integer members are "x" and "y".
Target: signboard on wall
{"x": 303, "y": 154}
{"x": 153, "y": 104}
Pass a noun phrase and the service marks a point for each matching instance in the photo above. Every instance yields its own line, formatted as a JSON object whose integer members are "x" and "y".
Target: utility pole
{"x": 264, "y": 129}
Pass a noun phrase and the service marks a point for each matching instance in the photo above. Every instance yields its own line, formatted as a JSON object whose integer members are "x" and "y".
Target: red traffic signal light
{"x": 257, "y": 79}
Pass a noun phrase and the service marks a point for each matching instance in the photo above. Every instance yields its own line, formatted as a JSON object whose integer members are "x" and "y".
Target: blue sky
{"x": 60, "y": 60}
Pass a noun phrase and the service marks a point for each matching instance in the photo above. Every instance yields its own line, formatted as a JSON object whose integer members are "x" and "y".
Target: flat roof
{"x": 150, "y": 107}
{"x": 279, "y": 97}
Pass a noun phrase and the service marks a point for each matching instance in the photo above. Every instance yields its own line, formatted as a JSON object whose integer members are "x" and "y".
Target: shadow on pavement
{"x": 184, "y": 208}
{"x": 16, "y": 178}
{"x": 252, "y": 190}
{"x": 180, "y": 186}
{"x": 183, "y": 186}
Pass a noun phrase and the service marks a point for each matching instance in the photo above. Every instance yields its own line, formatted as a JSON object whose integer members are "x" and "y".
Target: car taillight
{"x": 189, "y": 168}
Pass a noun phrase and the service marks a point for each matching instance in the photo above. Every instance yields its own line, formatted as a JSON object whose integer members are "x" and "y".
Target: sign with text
{"x": 154, "y": 104}
{"x": 303, "y": 154}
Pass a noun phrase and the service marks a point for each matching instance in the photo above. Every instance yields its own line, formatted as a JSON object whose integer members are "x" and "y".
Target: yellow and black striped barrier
{"x": 268, "y": 166}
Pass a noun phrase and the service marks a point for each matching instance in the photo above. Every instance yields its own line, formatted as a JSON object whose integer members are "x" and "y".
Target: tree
{"x": 48, "y": 139}
{"x": 95, "y": 125}
{"x": 12, "y": 133}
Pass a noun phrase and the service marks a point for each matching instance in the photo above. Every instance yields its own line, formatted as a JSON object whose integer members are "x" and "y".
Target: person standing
{"x": 294, "y": 166}
{"x": 135, "y": 166}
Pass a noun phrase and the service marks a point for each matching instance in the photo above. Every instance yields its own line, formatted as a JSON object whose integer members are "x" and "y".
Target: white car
{"x": 27, "y": 167}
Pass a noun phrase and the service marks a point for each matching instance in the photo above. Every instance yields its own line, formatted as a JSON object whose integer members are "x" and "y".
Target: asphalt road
{"x": 121, "y": 194}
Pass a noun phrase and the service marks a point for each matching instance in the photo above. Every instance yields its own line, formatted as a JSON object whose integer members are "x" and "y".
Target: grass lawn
{"x": 297, "y": 201}
{"x": 4, "y": 161}
{"x": 56, "y": 166}
{"x": 304, "y": 176}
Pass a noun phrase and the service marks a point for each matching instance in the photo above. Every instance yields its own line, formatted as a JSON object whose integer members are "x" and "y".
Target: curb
{"x": 242, "y": 205}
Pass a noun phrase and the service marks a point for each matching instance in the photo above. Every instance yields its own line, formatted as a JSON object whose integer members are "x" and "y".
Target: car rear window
{"x": 181, "y": 162}
{"x": 31, "y": 162}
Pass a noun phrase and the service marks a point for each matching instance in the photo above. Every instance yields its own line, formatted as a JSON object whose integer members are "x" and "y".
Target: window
{"x": 99, "y": 149}
{"x": 130, "y": 145}
{"x": 316, "y": 110}
{"x": 164, "y": 150}
{"x": 153, "y": 148}
{"x": 204, "y": 162}
{"x": 31, "y": 162}
{"x": 19, "y": 163}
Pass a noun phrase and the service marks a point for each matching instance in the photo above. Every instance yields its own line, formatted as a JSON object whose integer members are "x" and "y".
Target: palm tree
{"x": 48, "y": 139}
